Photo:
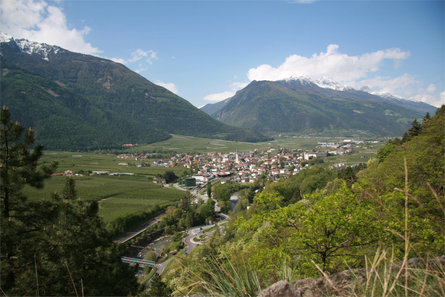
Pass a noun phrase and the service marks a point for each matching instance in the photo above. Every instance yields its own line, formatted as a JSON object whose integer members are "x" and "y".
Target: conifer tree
{"x": 51, "y": 248}
{"x": 18, "y": 167}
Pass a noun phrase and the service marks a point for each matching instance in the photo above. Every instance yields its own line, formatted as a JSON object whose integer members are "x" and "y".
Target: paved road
{"x": 161, "y": 266}
{"x": 129, "y": 235}
{"x": 191, "y": 233}
{"x": 190, "y": 244}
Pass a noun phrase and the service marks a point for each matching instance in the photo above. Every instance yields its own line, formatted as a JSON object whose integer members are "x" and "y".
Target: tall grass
{"x": 221, "y": 278}
{"x": 382, "y": 275}
{"x": 416, "y": 277}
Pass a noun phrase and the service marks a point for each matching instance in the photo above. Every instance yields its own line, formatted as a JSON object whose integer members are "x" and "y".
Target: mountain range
{"x": 78, "y": 102}
{"x": 302, "y": 106}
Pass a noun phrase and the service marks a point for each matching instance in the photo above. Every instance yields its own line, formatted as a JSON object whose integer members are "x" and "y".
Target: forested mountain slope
{"x": 302, "y": 106}
{"x": 95, "y": 103}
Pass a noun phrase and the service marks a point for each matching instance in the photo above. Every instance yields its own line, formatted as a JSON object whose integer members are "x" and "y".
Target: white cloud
{"x": 327, "y": 65}
{"x": 169, "y": 86}
{"x": 360, "y": 72}
{"x": 139, "y": 54}
{"x": 331, "y": 65}
{"x": 37, "y": 21}
{"x": 405, "y": 84}
{"x": 216, "y": 97}
{"x": 118, "y": 60}
{"x": 139, "y": 60}
{"x": 442, "y": 97}
{"x": 431, "y": 88}
{"x": 238, "y": 85}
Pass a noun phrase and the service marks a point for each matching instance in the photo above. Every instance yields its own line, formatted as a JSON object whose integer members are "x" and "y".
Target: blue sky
{"x": 207, "y": 50}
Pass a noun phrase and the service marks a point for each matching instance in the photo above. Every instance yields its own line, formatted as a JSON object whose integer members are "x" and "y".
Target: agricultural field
{"x": 117, "y": 195}
{"x": 95, "y": 161}
{"x": 122, "y": 195}
{"x": 185, "y": 144}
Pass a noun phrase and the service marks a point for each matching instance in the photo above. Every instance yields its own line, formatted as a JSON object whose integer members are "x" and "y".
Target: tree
{"x": 415, "y": 130}
{"x": 170, "y": 176}
{"x": 209, "y": 190}
{"x": 335, "y": 229}
{"x": 157, "y": 287}
{"x": 57, "y": 247}
{"x": 74, "y": 253}
{"x": 18, "y": 167}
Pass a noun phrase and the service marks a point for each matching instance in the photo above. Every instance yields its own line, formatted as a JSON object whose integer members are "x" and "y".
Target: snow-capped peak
{"x": 5, "y": 37}
{"x": 31, "y": 47}
{"x": 330, "y": 84}
{"x": 322, "y": 83}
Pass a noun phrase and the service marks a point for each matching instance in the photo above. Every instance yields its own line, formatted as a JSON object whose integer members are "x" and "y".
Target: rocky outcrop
{"x": 281, "y": 289}
{"x": 340, "y": 284}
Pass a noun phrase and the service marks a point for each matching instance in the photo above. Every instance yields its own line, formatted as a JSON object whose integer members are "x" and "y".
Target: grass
{"x": 94, "y": 161}
{"x": 118, "y": 195}
{"x": 183, "y": 144}
{"x": 384, "y": 277}
{"x": 128, "y": 194}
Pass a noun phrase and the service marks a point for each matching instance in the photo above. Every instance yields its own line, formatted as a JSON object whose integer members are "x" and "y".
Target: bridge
{"x": 141, "y": 262}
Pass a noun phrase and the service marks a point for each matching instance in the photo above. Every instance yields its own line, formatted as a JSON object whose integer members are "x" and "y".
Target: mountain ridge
{"x": 302, "y": 106}
{"x": 149, "y": 112}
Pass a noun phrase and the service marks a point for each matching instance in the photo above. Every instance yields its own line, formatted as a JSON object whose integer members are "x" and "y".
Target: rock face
{"x": 281, "y": 289}
{"x": 340, "y": 284}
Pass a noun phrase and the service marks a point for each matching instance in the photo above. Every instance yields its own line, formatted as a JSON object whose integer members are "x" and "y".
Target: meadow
{"x": 185, "y": 144}
{"x": 122, "y": 195}
{"x": 117, "y": 195}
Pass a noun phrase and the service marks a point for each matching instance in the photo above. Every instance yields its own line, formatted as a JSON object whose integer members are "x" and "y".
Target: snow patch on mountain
{"x": 31, "y": 47}
{"x": 5, "y": 37}
{"x": 322, "y": 83}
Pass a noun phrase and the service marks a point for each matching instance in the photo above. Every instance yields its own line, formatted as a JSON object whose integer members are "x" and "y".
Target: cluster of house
{"x": 240, "y": 167}
{"x": 246, "y": 167}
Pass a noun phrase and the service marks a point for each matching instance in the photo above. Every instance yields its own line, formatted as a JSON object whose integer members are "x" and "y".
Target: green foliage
{"x": 289, "y": 106}
{"x": 57, "y": 247}
{"x": 335, "y": 230}
{"x": 150, "y": 256}
{"x": 223, "y": 192}
{"x": 157, "y": 287}
{"x": 129, "y": 221}
{"x": 18, "y": 167}
{"x": 339, "y": 223}
{"x": 349, "y": 174}
{"x": 118, "y": 197}
{"x": 83, "y": 102}
{"x": 169, "y": 176}
{"x": 385, "y": 182}
{"x": 307, "y": 181}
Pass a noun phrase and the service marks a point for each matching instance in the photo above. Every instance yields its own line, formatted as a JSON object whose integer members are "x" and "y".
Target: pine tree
{"x": 18, "y": 167}
{"x": 55, "y": 247}
{"x": 157, "y": 287}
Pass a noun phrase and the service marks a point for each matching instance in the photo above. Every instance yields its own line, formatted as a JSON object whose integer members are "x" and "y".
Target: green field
{"x": 93, "y": 161}
{"x": 121, "y": 195}
{"x": 185, "y": 144}
{"x": 117, "y": 195}
{"x": 361, "y": 155}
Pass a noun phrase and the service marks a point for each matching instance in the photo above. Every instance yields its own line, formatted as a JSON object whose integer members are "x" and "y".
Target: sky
{"x": 205, "y": 51}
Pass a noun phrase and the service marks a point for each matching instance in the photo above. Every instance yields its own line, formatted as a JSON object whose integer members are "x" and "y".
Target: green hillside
{"x": 325, "y": 220}
{"x": 299, "y": 106}
{"x": 96, "y": 103}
